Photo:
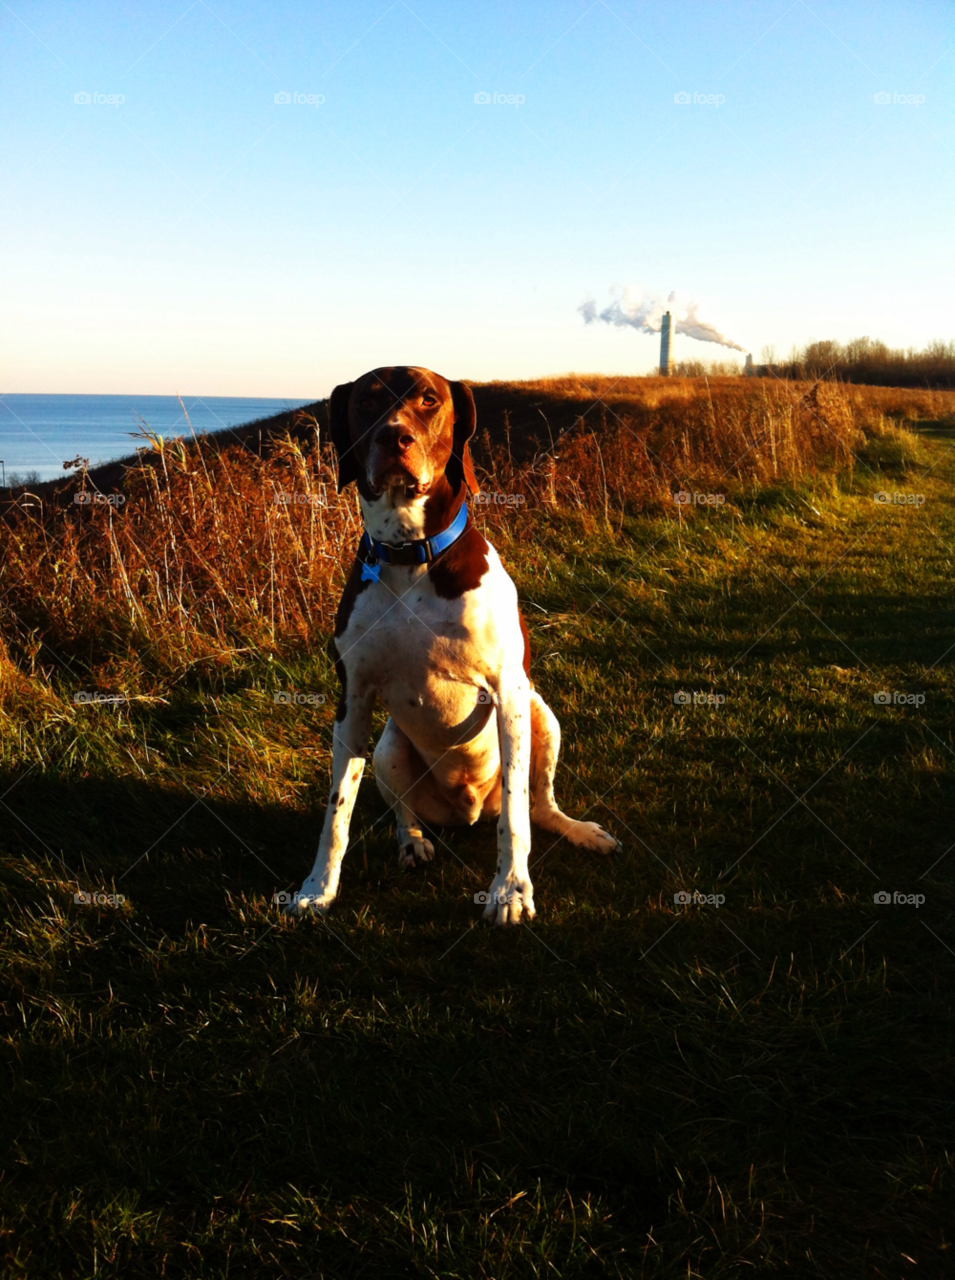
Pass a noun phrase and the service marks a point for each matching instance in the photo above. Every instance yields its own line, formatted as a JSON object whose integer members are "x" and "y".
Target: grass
{"x": 630, "y": 1087}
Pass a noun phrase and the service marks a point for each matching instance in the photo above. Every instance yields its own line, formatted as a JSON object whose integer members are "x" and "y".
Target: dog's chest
{"x": 417, "y": 649}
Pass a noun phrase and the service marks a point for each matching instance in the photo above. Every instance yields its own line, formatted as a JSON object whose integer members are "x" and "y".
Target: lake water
{"x": 39, "y": 433}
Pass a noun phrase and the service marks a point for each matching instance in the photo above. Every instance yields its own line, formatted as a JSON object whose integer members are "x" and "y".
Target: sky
{"x": 168, "y": 225}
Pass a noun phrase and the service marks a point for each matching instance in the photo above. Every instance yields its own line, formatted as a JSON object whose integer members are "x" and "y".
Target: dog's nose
{"x": 396, "y": 437}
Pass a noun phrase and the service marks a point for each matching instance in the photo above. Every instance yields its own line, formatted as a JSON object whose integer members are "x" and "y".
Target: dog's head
{"x": 402, "y": 428}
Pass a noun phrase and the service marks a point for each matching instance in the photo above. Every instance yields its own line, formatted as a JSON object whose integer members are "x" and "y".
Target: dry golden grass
{"x": 651, "y": 392}
{"x": 869, "y": 403}
{"x": 203, "y": 560}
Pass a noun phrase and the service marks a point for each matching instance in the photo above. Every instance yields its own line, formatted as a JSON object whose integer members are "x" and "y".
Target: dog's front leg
{"x": 512, "y": 895}
{"x": 349, "y": 742}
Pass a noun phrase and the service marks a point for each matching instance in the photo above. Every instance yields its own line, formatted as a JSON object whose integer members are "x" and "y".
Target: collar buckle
{"x": 421, "y": 551}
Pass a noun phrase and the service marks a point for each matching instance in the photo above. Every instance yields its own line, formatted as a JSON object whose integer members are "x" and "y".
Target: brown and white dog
{"x": 441, "y": 643}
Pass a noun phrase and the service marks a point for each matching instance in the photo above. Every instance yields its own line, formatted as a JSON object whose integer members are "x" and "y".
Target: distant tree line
{"x": 866, "y": 360}
{"x": 863, "y": 360}
{"x": 705, "y": 368}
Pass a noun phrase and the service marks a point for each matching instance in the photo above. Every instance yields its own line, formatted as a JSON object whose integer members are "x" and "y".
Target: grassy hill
{"x": 632, "y": 1085}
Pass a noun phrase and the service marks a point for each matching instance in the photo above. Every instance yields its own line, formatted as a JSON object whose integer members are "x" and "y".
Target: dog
{"x": 429, "y": 623}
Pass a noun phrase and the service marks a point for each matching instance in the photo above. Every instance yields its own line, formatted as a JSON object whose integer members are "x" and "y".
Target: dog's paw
{"x": 414, "y": 851}
{"x": 311, "y": 899}
{"x": 509, "y": 902}
{"x": 590, "y": 836}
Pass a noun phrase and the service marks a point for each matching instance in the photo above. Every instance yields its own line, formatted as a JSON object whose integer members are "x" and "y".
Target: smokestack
{"x": 645, "y": 314}
{"x": 667, "y": 333}
{"x": 750, "y": 371}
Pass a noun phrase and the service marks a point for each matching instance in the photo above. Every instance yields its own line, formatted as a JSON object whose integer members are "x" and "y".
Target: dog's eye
{"x": 429, "y": 398}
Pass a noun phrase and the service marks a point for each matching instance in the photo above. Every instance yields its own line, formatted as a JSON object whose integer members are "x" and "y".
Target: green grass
{"x": 197, "y": 1087}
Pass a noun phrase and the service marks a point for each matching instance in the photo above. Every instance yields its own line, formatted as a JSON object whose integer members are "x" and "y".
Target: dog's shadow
{"x": 179, "y": 856}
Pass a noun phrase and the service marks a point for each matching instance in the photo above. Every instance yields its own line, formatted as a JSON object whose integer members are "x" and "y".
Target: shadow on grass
{"x": 178, "y": 853}
{"x": 939, "y": 428}
{"x": 257, "y": 1097}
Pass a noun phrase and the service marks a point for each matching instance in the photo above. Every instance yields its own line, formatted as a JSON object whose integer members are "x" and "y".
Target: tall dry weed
{"x": 218, "y": 552}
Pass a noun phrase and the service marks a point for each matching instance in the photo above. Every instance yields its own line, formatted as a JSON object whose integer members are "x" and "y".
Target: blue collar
{"x": 422, "y": 551}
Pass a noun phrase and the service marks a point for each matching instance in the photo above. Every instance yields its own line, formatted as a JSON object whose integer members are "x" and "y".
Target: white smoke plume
{"x": 644, "y": 312}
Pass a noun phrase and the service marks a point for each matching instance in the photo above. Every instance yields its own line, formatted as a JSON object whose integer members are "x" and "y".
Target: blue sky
{"x": 199, "y": 236}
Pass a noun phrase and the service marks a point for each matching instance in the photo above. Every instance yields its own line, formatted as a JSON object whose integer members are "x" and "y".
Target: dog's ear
{"x": 349, "y": 464}
{"x": 459, "y": 466}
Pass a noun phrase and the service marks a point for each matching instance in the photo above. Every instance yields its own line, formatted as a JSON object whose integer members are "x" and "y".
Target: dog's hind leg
{"x": 545, "y": 745}
{"x": 401, "y": 776}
